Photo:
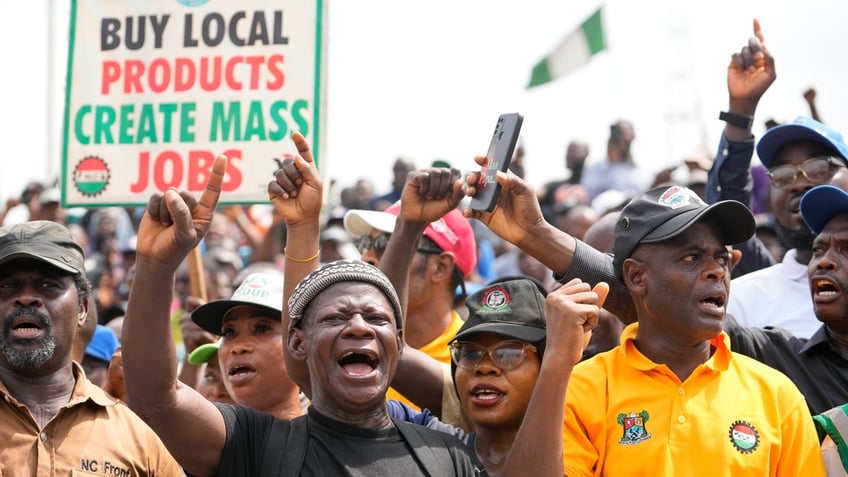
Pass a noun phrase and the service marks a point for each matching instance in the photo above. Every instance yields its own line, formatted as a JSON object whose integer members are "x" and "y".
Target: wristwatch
{"x": 739, "y": 120}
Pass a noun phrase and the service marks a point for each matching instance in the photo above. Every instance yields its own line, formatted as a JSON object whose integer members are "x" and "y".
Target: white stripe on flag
{"x": 572, "y": 52}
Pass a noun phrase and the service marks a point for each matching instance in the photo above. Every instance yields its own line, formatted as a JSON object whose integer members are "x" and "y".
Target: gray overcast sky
{"x": 428, "y": 79}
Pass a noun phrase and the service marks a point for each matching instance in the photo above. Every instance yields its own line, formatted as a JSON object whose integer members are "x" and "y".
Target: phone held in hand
{"x": 501, "y": 149}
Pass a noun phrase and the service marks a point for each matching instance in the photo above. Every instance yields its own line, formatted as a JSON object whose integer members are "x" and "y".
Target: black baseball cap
{"x": 513, "y": 308}
{"x": 43, "y": 240}
{"x": 664, "y": 212}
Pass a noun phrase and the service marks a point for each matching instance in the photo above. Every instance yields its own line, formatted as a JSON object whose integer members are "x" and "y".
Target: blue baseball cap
{"x": 103, "y": 344}
{"x": 801, "y": 128}
{"x": 822, "y": 203}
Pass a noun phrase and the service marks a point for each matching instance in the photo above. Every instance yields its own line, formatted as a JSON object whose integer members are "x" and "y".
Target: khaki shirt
{"x": 93, "y": 434}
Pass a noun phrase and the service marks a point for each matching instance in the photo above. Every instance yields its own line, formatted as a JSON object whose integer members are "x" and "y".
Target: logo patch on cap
{"x": 495, "y": 300}
{"x": 441, "y": 227}
{"x": 255, "y": 286}
{"x": 675, "y": 197}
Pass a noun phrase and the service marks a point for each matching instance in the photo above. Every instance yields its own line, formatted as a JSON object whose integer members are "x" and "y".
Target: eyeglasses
{"x": 816, "y": 169}
{"x": 505, "y": 355}
{"x": 378, "y": 243}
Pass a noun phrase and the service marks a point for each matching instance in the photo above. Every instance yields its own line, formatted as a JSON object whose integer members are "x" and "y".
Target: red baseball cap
{"x": 452, "y": 233}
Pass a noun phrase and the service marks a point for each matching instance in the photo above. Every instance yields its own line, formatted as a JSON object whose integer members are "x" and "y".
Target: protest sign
{"x": 156, "y": 89}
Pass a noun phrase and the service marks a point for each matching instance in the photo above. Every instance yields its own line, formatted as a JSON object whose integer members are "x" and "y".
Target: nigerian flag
{"x": 573, "y": 52}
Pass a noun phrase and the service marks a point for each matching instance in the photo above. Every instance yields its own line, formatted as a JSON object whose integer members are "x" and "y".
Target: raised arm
{"x": 189, "y": 425}
{"x": 750, "y": 73}
{"x": 571, "y": 312}
{"x": 428, "y": 195}
{"x": 297, "y": 194}
{"x": 518, "y": 219}
{"x": 810, "y": 98}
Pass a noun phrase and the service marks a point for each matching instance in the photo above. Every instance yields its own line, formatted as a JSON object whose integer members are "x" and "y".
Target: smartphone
{"x": 501, "y": 149}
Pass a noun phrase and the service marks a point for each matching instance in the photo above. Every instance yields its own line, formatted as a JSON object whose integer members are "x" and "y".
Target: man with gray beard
{"x": 54, "y": 421}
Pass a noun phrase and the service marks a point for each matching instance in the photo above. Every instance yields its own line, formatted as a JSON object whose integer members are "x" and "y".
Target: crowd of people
{"x": 584, "y": 328}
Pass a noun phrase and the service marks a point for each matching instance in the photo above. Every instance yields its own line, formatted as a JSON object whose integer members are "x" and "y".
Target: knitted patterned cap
{"x": 340, "y": 271}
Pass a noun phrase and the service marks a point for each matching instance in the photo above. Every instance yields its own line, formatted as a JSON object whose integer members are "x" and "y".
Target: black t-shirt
{"x": 337, "y": 448}
{"x": 259, "y": 444}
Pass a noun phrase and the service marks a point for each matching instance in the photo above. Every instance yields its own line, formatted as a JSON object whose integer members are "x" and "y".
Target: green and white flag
{"x": 573, "y": 52}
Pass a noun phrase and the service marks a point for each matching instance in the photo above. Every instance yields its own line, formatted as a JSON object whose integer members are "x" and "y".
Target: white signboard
{"x": 158, "y": 88}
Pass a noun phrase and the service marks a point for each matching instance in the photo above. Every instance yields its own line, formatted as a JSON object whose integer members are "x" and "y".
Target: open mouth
{"x": 359, "y": 363}
{"x": 716, "y": 301}
{"x": 824, "y": 288}
{"x": 240, "y": 370}
{"x": 24, "y": 328}
{"x": 485, "y": 395}
{"x": 240, "y": 373}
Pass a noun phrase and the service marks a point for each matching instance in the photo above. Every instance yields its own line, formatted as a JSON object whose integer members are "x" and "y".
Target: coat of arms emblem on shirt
{"x": 633, "y": 427}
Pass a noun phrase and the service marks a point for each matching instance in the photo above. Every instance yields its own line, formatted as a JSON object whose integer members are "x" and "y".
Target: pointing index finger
{"x": 302, "y": 147}
{"x": 210, "y": 196}
{"x": 758, "y": 32}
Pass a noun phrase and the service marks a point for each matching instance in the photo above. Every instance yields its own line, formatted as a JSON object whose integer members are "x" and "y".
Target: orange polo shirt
{"x": 626, "y": 415}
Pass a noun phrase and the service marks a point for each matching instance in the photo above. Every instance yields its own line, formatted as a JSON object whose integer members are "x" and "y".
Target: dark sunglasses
{"x": 505, "y": 354}
{"x": 816, "y": 169}
{"x": 378, "y": 243}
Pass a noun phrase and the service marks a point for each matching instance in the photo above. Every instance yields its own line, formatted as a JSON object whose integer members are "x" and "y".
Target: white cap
{"x": 359, "y": 222}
